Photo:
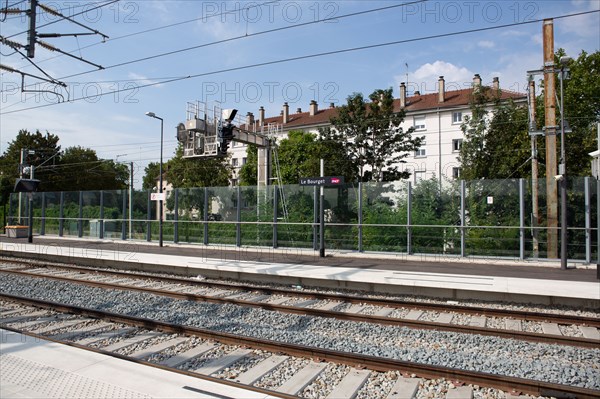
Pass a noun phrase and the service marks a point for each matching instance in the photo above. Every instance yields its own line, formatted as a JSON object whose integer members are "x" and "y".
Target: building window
{"x": 420, "y": 152}
{"x": 419, "y": 175}
{"x": 456, "y": 145}
{"x": 456, "y": 117}
{"x": 419, "y": 123}
{"x": 235, "y": 162}
{"x": 244, "y": 161}
{"x": 456, "y": 173}
{"x": 234, "y": 182}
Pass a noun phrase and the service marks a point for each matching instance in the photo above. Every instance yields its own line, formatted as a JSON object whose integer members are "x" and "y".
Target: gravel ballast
{"x": 543, "y": 362}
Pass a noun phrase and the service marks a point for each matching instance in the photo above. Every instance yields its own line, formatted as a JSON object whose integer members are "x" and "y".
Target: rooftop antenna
{"x": 406, "y": 63}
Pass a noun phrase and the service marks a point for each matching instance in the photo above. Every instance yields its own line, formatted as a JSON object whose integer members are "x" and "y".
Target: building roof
{"x": 415, "y": 103}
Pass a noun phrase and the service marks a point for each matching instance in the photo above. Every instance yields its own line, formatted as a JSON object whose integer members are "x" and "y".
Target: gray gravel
{"x": 552, "y": 363}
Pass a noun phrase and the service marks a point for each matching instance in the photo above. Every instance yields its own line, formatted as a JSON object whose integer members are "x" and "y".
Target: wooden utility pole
{"x": 550, "y": 123}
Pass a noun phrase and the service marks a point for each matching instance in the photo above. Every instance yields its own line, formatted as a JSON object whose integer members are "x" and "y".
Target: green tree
{"x": 497, "y": 144}
{"x": 299, "y": 156}
{"x": 249, "y": 171}
{"x": 151, "y": 175}
{"x": 372, "y": 137}
{"x": 80, "y": 169}
{"x": 42, "y": 148}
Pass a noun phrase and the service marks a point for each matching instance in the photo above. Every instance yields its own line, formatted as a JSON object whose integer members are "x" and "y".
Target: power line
{"x": 305, "y": 57}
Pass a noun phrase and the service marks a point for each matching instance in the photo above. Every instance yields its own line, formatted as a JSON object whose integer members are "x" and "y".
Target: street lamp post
{"x": 160, "y": 188}
{"x": 563, "y": 169}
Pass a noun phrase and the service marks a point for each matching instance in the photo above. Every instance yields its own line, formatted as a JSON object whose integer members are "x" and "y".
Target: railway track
{"x": 280, "y": 369}
{"x": 562, "y": 329}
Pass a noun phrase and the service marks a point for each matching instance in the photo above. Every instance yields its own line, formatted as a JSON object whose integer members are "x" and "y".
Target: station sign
{"x": 158, "y": 196}
{"x": 322, "y": 181}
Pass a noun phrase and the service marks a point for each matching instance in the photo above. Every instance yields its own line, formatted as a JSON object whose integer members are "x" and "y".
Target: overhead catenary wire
{"x": 247, "y": 35}
{"x": 302, "y": 57}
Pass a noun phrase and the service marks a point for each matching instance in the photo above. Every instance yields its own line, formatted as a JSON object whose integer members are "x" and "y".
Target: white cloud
{"x": 427, "y": 75}
{"x": 486, "y": 44}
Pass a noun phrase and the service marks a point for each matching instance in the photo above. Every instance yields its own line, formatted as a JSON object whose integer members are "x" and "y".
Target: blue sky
{"x": 114, "y": 123}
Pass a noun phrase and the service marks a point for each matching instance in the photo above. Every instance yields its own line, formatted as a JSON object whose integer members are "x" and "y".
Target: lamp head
{"x": 151, "y": 114}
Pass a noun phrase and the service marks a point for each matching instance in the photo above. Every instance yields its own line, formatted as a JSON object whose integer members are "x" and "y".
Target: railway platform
{"x": 35, "y": 368}
{"x": 447, "y": 277}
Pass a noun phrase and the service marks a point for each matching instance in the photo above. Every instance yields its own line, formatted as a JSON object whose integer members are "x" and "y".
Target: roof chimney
{"x": 331, "y": 105}
{"x": 249, "y": 120}
{"x": 441, "y": 89}
{"x": 298, "y": 110}
{"x": 476, "y": 82}
{"x": 402, "y": 95}
{"x": 496, "y": 83}
{"x": 261, "y": 115}
{"x": 286, "y": 113}
{"x": 417, "y": 93}
{"x": 313, "y": 108}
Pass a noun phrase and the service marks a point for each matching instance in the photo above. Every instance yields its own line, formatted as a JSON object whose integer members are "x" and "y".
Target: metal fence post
{"x": 80, "y": 218}
{"x": 360, "y": 217}
{"x": 176, "y": 216}
{"x": 463, "y": 221}
{"x": 521, "y": 219}
{"x": 43, "y": 226}
{"x": 124, "y": 212}
{"x": 588, "y": 221}
{"x": 61, "y": 214}
{"x": 149, "y": 221}
{"x": 101, "y": 222}
{"x": 205, "y": 216}
{"x": 315, "y": 219}
{"x": 409, "y": 220}
{"x": 238, "y": 216}
{"x": 275, "y": 213}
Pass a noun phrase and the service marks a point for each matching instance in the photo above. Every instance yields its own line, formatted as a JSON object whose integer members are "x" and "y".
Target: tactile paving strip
{"x": 50, "y": 382}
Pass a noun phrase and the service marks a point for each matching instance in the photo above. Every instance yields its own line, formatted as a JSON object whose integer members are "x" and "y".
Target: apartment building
{"x": 436, "y": 116}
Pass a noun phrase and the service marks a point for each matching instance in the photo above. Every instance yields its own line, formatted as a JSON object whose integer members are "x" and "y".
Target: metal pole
{"x": 101, "y": 221}
{"x": 21, "y": 176}
{"x": 462, "y": 219}
{"x": 61, "y": 214}
{"x": 521, "y": 219}
{"x": 160, "y": 211}
{"x": 588, "y": 221}
{"x": 275, "y": 213}
{"x": 409, "y": 219}
{"x": 176, "y": 217}
{"x": 131, "y": 201}
{"x": 238, "y": 212}
{"x": 322, "y": 215}
{"x": 124, "y": 210}
{"x": 43, "y": 226}
{"x": 563, "y": 182}
{"x": 149, "y": 222}
{"x": 80, "y": 219}
{"x": 205, "y": 216}
{"x": 360, "y": 217}
{"x": 534, "y": 170}
{"x": 30, "y": 227}
{"x": 315, "y": 218}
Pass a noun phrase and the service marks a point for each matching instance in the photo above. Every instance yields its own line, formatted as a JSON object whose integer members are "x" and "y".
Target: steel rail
{"x": 383, "y": 320}
{"x": 222, "y": 381}
{"x": 502, "y": 382}
{"x": 478, "y": 310}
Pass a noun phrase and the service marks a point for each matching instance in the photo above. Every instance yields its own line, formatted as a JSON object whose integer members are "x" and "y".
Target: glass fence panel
{"x": 384, "y": 213}
{"x": 191, "y": 214}
{"x": 295, "y": 216}
{"x": 494, "y": 203}
{"x": 222, "y": 213}
{"x": 435, "y": 214}
{"x": 256, "y": 216}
